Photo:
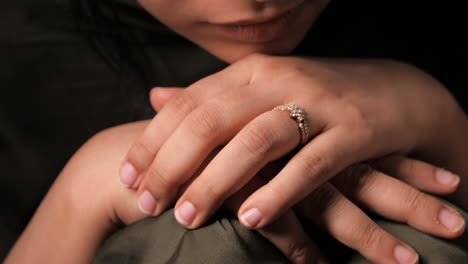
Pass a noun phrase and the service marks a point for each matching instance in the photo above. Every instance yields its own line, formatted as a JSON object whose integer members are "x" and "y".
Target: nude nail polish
{"x": 186, "y": 213}
{"x": 451, "y": 220}
{"x": 447, "y": 178}
{"x": 404, "y": 255}
{"x": 147, "y": 203}
{"x": 251, "y": 218}
{"x": 128, "y": 174}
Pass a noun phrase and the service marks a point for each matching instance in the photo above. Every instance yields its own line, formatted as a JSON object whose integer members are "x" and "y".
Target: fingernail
{"x": 154, "y": 90}
{"x": 405, "y": 255}
{"x": 147, "y": 203}
{"x": 186, "y": 213}
{"x": 447, "y": 178}
{"x": 451, "y": 220}
{"x": 128, "y": 174}
{"x": 251, "y": 218}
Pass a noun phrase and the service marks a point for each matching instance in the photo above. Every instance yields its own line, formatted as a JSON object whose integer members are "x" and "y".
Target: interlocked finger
{"x": 419, "y": 174}
{"x": 145, "y": 148}
{"x": 331, "y": 210}
{"x": 398, "y": 201}
{"x": 266, "y": 138}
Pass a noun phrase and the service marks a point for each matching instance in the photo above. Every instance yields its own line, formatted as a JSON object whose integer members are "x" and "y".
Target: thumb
{"x": 160, "y": 96}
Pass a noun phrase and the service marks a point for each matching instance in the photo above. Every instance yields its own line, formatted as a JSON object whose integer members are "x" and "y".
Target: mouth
{"x": 260, "y": 30}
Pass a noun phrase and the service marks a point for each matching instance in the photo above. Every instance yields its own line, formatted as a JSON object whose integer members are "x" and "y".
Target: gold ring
{"x": 298, "y": 114}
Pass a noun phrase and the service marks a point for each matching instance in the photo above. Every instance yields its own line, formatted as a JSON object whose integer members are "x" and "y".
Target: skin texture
{"x": 87, "y": 203}
{"x": 345, "y": 101}
{"x": 198, "y": 20}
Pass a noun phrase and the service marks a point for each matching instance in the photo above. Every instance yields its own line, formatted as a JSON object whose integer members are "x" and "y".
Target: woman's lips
{"x": 259, "y": 32}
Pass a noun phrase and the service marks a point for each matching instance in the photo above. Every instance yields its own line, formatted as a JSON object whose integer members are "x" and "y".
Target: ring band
{"x": 298, "y": 114}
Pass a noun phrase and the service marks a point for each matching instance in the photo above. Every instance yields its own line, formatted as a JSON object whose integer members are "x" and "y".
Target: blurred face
{"x": 232, "y": 29}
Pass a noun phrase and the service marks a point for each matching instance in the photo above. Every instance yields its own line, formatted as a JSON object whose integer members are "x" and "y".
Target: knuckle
{"x": 141, "y": 152}
{"x": 183, "y": 103}
{"x": 297, "y": 251}
{"x": 258, "y": 139}
{"x": 205, "y": 123}
{"x": 358, "y": 121}
{"x": 211, "y": 192}
{"x": 317, "y": 165}
{"x": 359, "y": 177}
{"x": 282, "y": 198}
{"x": 157, "y": 176}
{"x": 369, "y": 236}
{"x": 271, "y": 66}
{"x": 143, "y": 145}
{"x": 414, "y": 201}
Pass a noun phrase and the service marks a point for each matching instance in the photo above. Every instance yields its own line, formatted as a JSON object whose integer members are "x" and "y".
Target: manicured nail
{"x": 154, "y": 90}
{"x": 128, "y": 174}
{"x": 186, "y": 213}
{"x": 447, "y": 178}
{"x": 405, "y": 255}
{"x": 147, "y": 203}
{"x": 251, "y": 218}
{"x": 451, "y": 220}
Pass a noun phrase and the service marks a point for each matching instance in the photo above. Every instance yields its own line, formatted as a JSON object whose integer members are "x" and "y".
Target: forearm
{"x": 63, "y": 230}
{"x": 83, "y": 205}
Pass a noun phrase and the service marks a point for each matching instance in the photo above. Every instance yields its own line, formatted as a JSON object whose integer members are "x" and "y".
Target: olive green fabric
{"x": 224, "y": 240}
{"x": 163, "y": 240}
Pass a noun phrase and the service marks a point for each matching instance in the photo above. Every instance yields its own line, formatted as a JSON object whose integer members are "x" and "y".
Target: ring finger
{"x": 143, "y": 151}
{"x": 266, "y": 138}
{"x": 208, "y": 126}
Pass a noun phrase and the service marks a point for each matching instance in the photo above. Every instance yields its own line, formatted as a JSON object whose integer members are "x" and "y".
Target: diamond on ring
{"x": 298, "y": 114}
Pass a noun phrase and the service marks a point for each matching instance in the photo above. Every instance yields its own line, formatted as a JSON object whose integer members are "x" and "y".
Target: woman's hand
{"x": 333, "y": 207}
{"x": 86, "y": 204}
{"x": 355, "y": 110}
{"x": 369, "y": 186}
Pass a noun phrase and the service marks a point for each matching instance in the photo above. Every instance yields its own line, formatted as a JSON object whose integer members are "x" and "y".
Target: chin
{"x": 231, "y": 53}
{"x": 230, "y": 49}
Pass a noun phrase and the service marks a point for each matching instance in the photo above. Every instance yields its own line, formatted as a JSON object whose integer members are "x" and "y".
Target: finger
{"x": 398, "y": 201}
{"x": 419, "y": 174}
{"x": 161, "y": 95}
{"x": 143, "y": 151}
{"x": 207, "y": 127}
{"x": 266, "y": 138}
{"x": 287, "y": 233}
{"x": 328, "y": 208}
{"x": 326, "y": 155}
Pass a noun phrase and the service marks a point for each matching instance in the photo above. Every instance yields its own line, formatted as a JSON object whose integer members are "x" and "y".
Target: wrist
{"x": 68, "y": 227}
